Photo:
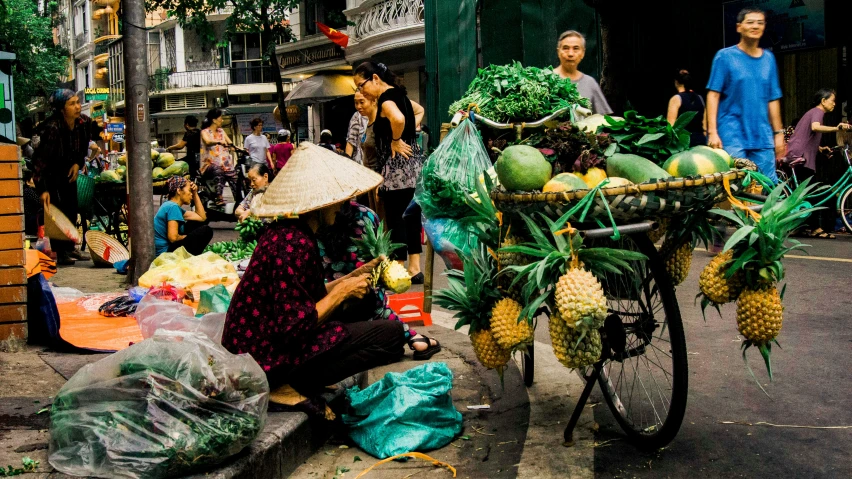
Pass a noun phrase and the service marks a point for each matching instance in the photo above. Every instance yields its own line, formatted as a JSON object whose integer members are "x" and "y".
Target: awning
{"x": 178, "y": 113}
{"x": 321, "y": 87}
{"x": 251, "y": 108}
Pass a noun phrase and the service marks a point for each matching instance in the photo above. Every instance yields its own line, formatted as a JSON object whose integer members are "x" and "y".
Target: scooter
{"x": 207, "y": 190}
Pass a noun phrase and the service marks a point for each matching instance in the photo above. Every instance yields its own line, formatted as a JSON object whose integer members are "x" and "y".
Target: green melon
{"x": 165, "y": 160}
{"x": 157, "y": 173}
{"x": 122, "y": 171}
{"x": 634, "y": 168}
{"x": 724, "y": 154}
{"x": 177, "y": 168}
{"x": 696, "y": 161}
{"x": 122, "y": 160}
{"x": 154, "y": 154}
{"x": 565, "y": 182}
{"x": 109, "y": 176}
{"x": 522, "y": 168}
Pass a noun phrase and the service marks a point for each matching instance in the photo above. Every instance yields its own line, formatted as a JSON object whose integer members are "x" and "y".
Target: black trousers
{"x": 64, "y": 197}
{"x": 405, "y": 230}
{"x": 198, "y": 236}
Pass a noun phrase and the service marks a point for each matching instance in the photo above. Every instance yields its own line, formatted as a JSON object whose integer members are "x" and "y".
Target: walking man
{"x": 743, "y": 98}
{"x": 192, "y": 142}
{"x": 571, "y": 48}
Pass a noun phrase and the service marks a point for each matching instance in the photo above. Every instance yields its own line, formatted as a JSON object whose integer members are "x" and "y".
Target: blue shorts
{"x": 764, "y": 159}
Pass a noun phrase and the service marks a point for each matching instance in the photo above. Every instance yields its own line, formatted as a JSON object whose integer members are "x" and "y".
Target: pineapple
{"x": 572, "y": 347}
{"x": 488, "y": 351}
{"x": 376, "y": 243}
{"x": 509, "y": 329}
{"x": 657, "y": 234}
{"x": 678, "y": 261}
{"x": 505, "y": 259}
{"x": 580, "y": 299}
{"x": 715, "y": 286}
{"x": 756, "y": 251}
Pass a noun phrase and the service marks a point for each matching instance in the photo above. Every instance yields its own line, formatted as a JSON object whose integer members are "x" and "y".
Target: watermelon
{"x": 724, "y": 154}
{"x": 177, "y": 168}
{"x": 634, "y": 168}
{"x": 696, "y": 161}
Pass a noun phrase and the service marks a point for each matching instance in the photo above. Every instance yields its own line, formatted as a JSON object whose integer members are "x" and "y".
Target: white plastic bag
{"x": 153, "y": 314}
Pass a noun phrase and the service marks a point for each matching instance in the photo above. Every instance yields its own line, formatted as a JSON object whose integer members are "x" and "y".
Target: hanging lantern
{"x": 293, "y": 113}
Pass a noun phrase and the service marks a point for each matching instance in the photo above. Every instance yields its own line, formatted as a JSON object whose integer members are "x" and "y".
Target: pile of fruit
{"x": 249, "y": 229}
{"x": 163, "y": 166}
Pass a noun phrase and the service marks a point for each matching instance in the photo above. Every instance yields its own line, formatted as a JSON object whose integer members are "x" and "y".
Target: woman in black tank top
{"x": 687, "y": 100}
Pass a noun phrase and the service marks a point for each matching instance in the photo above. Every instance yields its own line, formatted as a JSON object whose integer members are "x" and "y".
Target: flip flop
{"x": 819, "y": 233}
{"x": 426, "y": 353}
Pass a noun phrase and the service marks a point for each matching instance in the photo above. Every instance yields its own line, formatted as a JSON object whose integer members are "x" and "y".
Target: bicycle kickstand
{"x": 591, "y": 380}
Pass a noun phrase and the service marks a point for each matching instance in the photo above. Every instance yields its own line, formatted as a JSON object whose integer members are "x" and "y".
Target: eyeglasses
{"x": 759, "y": 23}
{"x": 362, "y": 85}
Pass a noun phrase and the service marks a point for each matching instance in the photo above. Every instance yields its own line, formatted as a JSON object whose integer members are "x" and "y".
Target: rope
{"x": 737, "y": 203}
{"x": 416, "y": 455}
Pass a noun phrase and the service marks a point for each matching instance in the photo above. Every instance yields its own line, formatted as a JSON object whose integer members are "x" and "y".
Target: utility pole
{"x": 140, "y": 205}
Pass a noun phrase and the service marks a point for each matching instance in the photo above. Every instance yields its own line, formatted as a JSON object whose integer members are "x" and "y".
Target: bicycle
{"x": 842, "y": 189}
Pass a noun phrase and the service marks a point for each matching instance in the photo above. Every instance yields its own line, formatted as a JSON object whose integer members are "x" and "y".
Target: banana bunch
{"x": 232, "y": 250}
{"x": 249, "y": 229}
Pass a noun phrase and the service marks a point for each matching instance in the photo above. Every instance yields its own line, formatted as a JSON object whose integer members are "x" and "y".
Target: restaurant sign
{"x": 96, "y": 94}
{"x": 309, "y": 56}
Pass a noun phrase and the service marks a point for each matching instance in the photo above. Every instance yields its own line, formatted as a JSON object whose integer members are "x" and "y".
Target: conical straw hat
{"x": 314, "y": 178}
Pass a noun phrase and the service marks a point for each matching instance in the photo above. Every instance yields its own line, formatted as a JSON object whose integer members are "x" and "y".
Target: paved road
{"x": 810, "y": 388}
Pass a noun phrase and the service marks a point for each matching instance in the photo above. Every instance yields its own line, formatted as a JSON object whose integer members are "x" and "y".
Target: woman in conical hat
{"x": 302, "y": 330}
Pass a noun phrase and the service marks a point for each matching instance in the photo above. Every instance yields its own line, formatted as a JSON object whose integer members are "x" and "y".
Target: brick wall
{"x": 13, "y": 278}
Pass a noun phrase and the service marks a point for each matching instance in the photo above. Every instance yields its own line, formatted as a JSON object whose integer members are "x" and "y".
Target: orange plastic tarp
{"x": 82, "y": 325}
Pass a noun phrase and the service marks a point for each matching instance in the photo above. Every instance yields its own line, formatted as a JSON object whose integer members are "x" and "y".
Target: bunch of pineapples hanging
{"x": 682, "y": 236}
{"x": 749, "y": 268}
{"x": 376, "y": 243}
{"x": 565, "y": 278}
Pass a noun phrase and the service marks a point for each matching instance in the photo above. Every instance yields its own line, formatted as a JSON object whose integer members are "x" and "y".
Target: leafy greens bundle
{"x": 651, "y": 138}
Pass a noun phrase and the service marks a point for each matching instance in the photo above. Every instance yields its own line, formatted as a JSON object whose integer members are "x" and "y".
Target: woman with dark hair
{"x": 217, "y": 165}
{"x": 259, "y": 176}
{"x": 174, "y": 227}
{"x": 62, "y": 149}
{"x": 282, "y": 150}
{"x": 804, "y": 145}
{"x": 398, "y": 157}
{"x": 687, "y": 100}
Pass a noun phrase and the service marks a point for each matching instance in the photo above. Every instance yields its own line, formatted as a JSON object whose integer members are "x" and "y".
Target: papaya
{"x": 109, "y": 176}
{"x": 634, "y": 168}
{"x": 615, "y": 182}
{"x": 522, "y": 168}
{"x": 177, "y": 168}
{"x": 122, "y": 159}
{"x": 592, "y": 177}
{"x": 564, "y": 182}
{"x": 165, "y": 160}
{"x": 157, "y": 173}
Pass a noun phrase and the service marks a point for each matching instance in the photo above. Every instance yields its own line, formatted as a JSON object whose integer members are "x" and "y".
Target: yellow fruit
{"x": 564, "y": 182}
{"x": 487, "y": 351}
{"x": 678, "y": 263}
{"x": 396, "y": 277}
{"x": 759, "y": 314}
{"x": 615, "y": 182}
{"x": 592, "y": 177}
{"x": 565, "y": 343}
{"x": 580, "y": 299}
{"x": 505, "y": 327}
{"x": 713, "y": 283}
{"x": 657, "y": 234}
{"x": 511, "y": 259}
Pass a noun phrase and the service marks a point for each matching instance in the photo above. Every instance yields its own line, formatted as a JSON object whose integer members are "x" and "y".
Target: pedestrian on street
{"x": 571, "y": 48}
{"x": 325, "y": 141}
{"x": 743, "y": 101}
{"x": 257, "y": 144}
{"x": 398, "y": 157}
{"x": 174, "y": 227}
{"x": 357, "y": 126}
{"x": 804, "y": 147}
{"x": 62, "y": 148}
{"x": 282, "y": 150}
{"x": 687, "y": 100}
{"x": 217, "y": 165}
{"x": 192, "y": 142}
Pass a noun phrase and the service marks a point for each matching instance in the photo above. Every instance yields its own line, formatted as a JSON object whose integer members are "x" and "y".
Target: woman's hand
{"x": 241, "y": 216}
{"x": 356, "y": 286}
{"x": 780, "y": 146}
{"x": 401, "y": 148}
{"x": 72, "y": 173}
{"x": 713, "y": 140}
{"x": 367, "y": 268}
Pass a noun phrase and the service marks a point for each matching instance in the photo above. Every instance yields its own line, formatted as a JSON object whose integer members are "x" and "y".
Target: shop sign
{"x": 118, "y": 138}
{"x": 115, "y": 127}
{"x": 96, "y": 94}
{"x": 790, "y": 24}
{"x": 309, "y": 56}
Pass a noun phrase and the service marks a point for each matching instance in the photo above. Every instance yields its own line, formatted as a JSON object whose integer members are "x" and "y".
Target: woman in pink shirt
{"x": 282, "y": 150}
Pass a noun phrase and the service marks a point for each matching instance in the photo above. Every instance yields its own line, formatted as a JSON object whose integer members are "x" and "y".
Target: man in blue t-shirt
{"x": 743, "y": 98}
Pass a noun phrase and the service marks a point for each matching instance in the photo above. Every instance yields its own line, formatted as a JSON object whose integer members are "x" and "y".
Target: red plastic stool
{"x": 409, "y": 308}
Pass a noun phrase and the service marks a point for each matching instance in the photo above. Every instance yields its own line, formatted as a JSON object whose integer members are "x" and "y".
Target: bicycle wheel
{"x": 527, "y": 365}
{"x": 846, "y": 209}
{"x": 644, "y": 376}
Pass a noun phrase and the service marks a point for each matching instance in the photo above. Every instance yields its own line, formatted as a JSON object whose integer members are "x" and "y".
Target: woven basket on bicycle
{"x": 663, "y": 198}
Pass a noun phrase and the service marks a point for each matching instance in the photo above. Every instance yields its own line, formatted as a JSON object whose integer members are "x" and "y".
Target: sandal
{"x": 426, "y": 353}
{"x": 819, "y": 233}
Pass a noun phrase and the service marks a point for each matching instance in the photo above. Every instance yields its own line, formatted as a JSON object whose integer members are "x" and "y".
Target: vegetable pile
{"x": 232, "y": 250}
{"x": 651, "y": 138}
{"x": 164, "y": 407}
{"x": 512, "y": 93}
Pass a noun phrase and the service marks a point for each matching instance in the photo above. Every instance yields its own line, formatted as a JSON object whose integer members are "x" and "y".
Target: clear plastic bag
{"x": 168, "y": 406}
{"x": 448, "y": 237}
{"x": 153, "y": 314}
{"x": 450, "y": 171}
{"x": 195, "y": 273}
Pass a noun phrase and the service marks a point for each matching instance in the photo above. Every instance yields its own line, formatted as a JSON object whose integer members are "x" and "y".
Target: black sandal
{"x": 426, "y": 353}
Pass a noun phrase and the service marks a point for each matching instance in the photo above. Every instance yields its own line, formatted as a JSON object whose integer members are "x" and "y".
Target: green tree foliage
{"x": 28, "y": 33}
{"x": 269, "y": 18}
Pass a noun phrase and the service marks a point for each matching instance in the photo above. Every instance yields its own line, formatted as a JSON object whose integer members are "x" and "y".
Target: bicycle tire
{"x": 846, "y": 209}
{"x": 655, "y": 284}
{"x": 528, "y": 365}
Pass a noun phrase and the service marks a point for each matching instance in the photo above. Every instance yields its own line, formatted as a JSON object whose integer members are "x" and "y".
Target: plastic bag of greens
{"x": 450, "y": 171}
{"x": 171, "y": 405}
{"x": 405, "y": 412}
{"x": 153, "y": 314}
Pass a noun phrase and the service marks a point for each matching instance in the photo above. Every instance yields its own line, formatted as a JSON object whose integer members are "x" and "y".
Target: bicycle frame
{"x": 837, "y": 189}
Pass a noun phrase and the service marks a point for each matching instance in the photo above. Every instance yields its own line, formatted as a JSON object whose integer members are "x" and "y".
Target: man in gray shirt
{"x": 571, "y": 48}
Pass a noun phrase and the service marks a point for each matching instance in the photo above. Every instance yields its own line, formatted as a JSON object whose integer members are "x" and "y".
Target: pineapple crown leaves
{"x": 760, "y": 243}
{"x": 765, "y": 351}
{"x": 692, "y": 228}
{"x": 375, "y": 243}
{"x": 484, "y": 217}
{"x": 554, "y": 252}
{"x": 471, "y": 292}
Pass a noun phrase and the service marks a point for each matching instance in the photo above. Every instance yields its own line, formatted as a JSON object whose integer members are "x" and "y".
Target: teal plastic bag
{"x": 405, "y": 412}
{"x": 213, "y": 300}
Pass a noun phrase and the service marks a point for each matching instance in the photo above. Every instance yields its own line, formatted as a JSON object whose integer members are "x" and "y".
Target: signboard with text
{"x": 309, "y": 56}
{"x": 96, "y": 94}
{"x": 115, "y": 127}
{"x": 790, "y": 24}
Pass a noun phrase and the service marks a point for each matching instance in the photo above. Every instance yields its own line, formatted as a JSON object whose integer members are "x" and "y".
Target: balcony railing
{"x": 205, "y": 78}
{"x": 385, "y": 15}
{"x": 81, "y": 39}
